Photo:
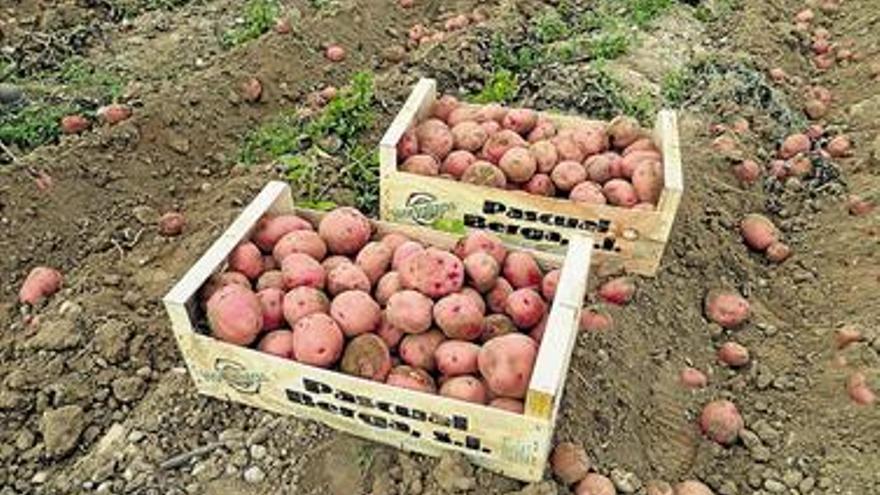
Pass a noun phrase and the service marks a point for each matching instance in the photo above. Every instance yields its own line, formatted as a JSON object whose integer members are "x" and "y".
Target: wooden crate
{"x": 513, "y": 444}
{"x": 635, "y": 238}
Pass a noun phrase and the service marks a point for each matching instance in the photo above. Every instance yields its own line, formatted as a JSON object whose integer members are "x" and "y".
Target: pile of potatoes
{"x": 465, "y": 324}
{"x": 589, "y": 162}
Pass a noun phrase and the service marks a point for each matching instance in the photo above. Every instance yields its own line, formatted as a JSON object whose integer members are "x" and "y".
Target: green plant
{"x": 674, "y": 86}
{"x": 502, "y": 87}
{"x": 551, "y": 27}
{"x": 33, "y": 125}
{"x": 714, "y": 10}
{"x": 608, "y": 45}
{"x": 259, "y": 15}
{"x": 641, "y": 12}
{"x": 80, "y": 76}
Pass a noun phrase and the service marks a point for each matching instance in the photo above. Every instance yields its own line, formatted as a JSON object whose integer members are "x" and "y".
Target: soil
{"x": 94, "y": 396}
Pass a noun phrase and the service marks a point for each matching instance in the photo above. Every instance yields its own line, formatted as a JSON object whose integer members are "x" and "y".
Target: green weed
{"x": 608, "y": 45}
{"x": 674, "y": 86}
{"x": 642, "y": 12}
{"x": 259, "y": 16}
{"x": 33, "y": 125}
{"x": 501, "y": 88}
{"x": 550, "y": 27}
{"x": 77, "y": 75}
{"x": 714, "y": 10}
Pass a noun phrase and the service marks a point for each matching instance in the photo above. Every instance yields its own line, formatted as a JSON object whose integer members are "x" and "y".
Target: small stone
{"x": 40, "y": 477}
{"x": 825, "y": 482}
{"x": 774, "y": 486}
{"x": 70, "y": 309}
{"x": 394, "y": 54}
{"x": 454, "y": 473}
{"x": 728, "y": 488}
{"x": 806, "y": 486}
{"x": 136, "y": 436}
{"x": 792, "y": 478}
{"x": 55, "y": 336}
{"x": 105, "y": 488}
{"x": 171, "y": 224}
{"x": 625, "y": 481}
{"x": 257, "y": 452}
{"x": 61, "y": 429}
{"x": 111, "y": 340}
{"x": 10, "y": 94}
{"x": 179, "y": 144}
{"x": 24, "y": 440}
{"x": 254, "y": 474}
{"x": 144, "y": 214}
{"x": 128, "y": 388}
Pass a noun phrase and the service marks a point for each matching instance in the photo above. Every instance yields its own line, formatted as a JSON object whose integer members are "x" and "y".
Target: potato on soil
{"x": 412, "y": 378}
{"x": 858, "y": 389}
{"x": 525, "y": 307}
{"x": 568, "y": 174}
{"x": 692, "y": 487}
{"x": 726, "y": 308}
{"x": 409, "y": 311}
{"x": 733, "y": 354}
{"x": 218, "y": 280}
{"x": 418, "y": 349}
{"x": 407, "y": 146}
{"x": 518, "y": 165}
{"x": 693, "y": 378}
{"x": 618, "y": 290}
{"x": 595, "y": 319}
{"x": 459, "y": 317}
{"x": 421, "y": 165}
{"x": 839, "y": 147}
{"x": 270, "y": 279}
{"x": 747, "y": 172}
{"x": 457, "y": 162}
{"x": 758, "y": 231}
{"x": 433, "y": 272}
{"x": 278, "y": 343}
{"x": 469, "y": 136}
{"x": 509, "y": 405}
{"x": 355, "y": 312}
{"x": 482, "y": 173}
{"x": 544, "y": 130}
{"x": 272, "y": 303}
{"x": 374, "y": 259}
{"x": 721, "y": 422}
{"x": 444, "y": 106}
{"x": 521, "y": 270}
{"x": 623, "y": 131}
{"x": 778, "y": 252}
{"x": 569, "y": 462}
{"x": 345, "y": 230}
{"x": 389, "y": 333}
{"x": 481, "y": 240}
{"x": 40, "y": 282}
{"x": 247, "y": 259}
{"x": 317, "y": 340}
{"x": 587, "y": 193}
{"x": 270, "y": 229}
{"x": 482, "y": 270}
{"x": 386, "y": 287}
{"x": 595, "y": 484}
{"x": 545, "y": 155}
{"x": 506, "y": 363}
{"x": 235, "y": 315}
{"x": 300, "y": 241}
{"x": 394, "y": 240}
{"x": 466, "y": 388}
{"x": 794, "y": 145}
{"x": 499, "y": 143}
{"x": 367, "y": 356}
{"x": 303, "y": 301}
{"x": 300, "y": 269}
{"x": 347, "y": 276}
{"x": 457, "y": 357}
{"x": 520, "y": 120}
{"x": 647, "y": 180}
{"x": 541, "y": 185}
{"x": 620, "y": 193}
{"x": 567, "y": 149}
{"x": 404, "y": 251}
{"x": 434, "y": 138}
{"x": 171, "y": 224}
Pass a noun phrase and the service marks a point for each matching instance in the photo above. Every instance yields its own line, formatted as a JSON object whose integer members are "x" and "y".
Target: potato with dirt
{"x": 270, "y": 279}
{"x": 299, "y": 269}
{"x": 509, "y": 405}
{"x": 246, "y": 259}
{"x": 591, "y": 138}
{"x": 623, "y": 131}
{"x": 525, "y": 307}
{"x": 520, "y": 120}
{"x": 499, "y": 143}
{"x": 330, "y": 263}
{"x": 540, "y": 185}
{"x": 600, "y": 167}
{"x": 726, "y": 308}
{"x": 568, "y": 174}
{"x": 345, "y": 230}
{"x": 218, "y": 280}
{"x": 543, "y": 131}
{"x": 434, "y": 138}
{"x": 347, "y": 276}
{"x": 418, "y": 349}
{"x": 506, "y": 363}
{"x": 595, "y": 484}
{"x": 277, "y": 343}
{"x": 355, "y": 312}
{"x": 567, "y": 149}
{"x": 545, "y": 156}
{"x": 317, "y": 340}
{"x": 374, "y": 259}
{"x": 389, "y": 333}
{"x": 272, "y": 228}
{"x": 518, "y": 165}
{"x": 40, "y": 283}
{"x": 421, "y": 165}
{"x": 457, "y": 162}
{"x": 587, "y": 193}
{"x": 569, "y": 462}
{"x": 521, "y": 270}
{"x": 411, "y": 378}
{"x": 303, "y": 301}
{"x": 433, "y": 272}
{"x": 469, "y": 136}
{"x": 272, "y": 305}
{"x": 483, "y": 173}
{"x": 386, "y": 287}
{"x": 459, "y": 317}
{"x": 235, "y": 315}
{"x": 758, "y": 231}
{"x": 466, "y": 388}
{"x": 410, "y": 311}
{"x": 367, "y": 356}
{"x": 404, "y": 251}
{"x": 620, "y": 193}
{"x": 457, "y": 357}
{"x": 300, "y": 241}
{"x": 481, "y": 240}
{"x": 482, "y": 271}
{"x": 443, "y": 107}
{"x": 721, "y": 421}
{"x": 647, "y": 180}
{"x": 692, "y": 487}
{"x": 495, "y": 325}
{"x": 629, "y": 162}
{"x": 595, "y": 318}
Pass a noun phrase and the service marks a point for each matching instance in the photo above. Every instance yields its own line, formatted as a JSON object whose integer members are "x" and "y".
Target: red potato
{"x": 347, "y": 276}
{"x": 641, "y": 144}
{"x": 300, "y": 241}
{"x": 345, "y": 230}
{"x": 41, "y": 282}
{"x": 658, "y": 487}
{"x": 466, "y": 388}
{"x": 270, "y": 263}
{"x": 692, "y": 487}
{"x": 537, "y": 332}
{"x": 411, "y": 378}
{"x": 469, "y": 136}
{"x": 506, "y": 363}
{"x": 403, "y": 252}
{"x": 418, "y": 349}
{"x": 540, "y": 184}
{"x": 408, "y": 145}
{"x": 495, "y": 325}
{"x": 494, "y": 112}
{"x": 693, "y": 378}
{"x": 317, "y": 340}
{"x": 457, "y": 357}
{"x": 778, "y": 74}
{"x": 491, "y": 127}
{"x": 839, "y": 147}
{"x": 595, "y": 319}
{"x": 758, "y": 231}
{"x": 595, "y": 484}
{"x": 457, "y": 162}
{"x": 235, "y": 315}
{"x": 721, "y": 422}
{"x": 733, "y": 354}
{"x": 475, "y": 296}
{"x": 726, "y": 308}
{"x": 386, "y": 287}
{"x": 421, "y": 165}
{"x": 389, "y": 333}
{"x": 394, "y": 240}
{"x": 246, "y": 259}
{"x": 331, "y": 262}
{"x": 435, "y": 138}
{"x": 569, "y": 462}
{"x": 509, "y": 405}
{"x": 300, "y": 269}
{"x": 544, "y": 129}
{"x": 496, "y": 299}
{"x": 272, "y": 303}
{"x": 171, "y": 224}
{"x": 846, "y": 335}
{"x": 647, "y": 180}
{"x": 599, "y": 167}
{"x": 521, "y": 270}
{"x": 374, "y": 259}
{"x": 482, "y": 270}
{"x": 587, "y": 193}
{"x": 270, "y": 279}
{"x": 623, "y": 131}
{"x": 483, "y": 173}
{"x": 793, "y": 145}
{"x": 568, "y": 174}
{"x": 520, "y": 120}
{"x": 480, "y": 240}
{"x": 497, "y": 145}
{"x": 74, "y": 124}
{"x": 303, "y": 301}
{"x": 459, "y": 317}
{"x": 620, "y": 193}
{"x": 525, "y": 307}
{"x": 433, "y": 272}
{"x": 272, "y": 228}
{"x": 545, "y": 155}
{"x": 628, "y": 163}
{"x": 355, "y": 312}
{"x": 277, "y": 343}
{"x": 409, "y": 311}
{"x": 549, "y": 283}
{"x": 747, "y": 172}
{"x": 444, "y": 106}
{"x": 335, "y": 53}
{"x": 778, "y": 252}
{"x": 518, "y": 165}
{"x": 858, "y": 389}
{"x": 367, "y": 356}
{"x": 464, "y": 113}
{"x": 619, "y": 291}
{"x": 567, "y": 149}
{"x": 815, "y": 109}
{"x": 592, "y": 139}
{"x": 219, "y": 280}
{"x": 800, "y": 166}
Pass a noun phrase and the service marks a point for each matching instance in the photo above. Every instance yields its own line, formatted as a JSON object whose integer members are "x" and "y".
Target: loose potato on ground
{"x": 247, "y": 259}
{"x": 410, "y": 311}
{"x": 620, "y": 193}
{"x": 42, "y": 282}
{"x": 355, "y": 312}
{"x": 495, "y": 325}
{"x": 345, "y": 230}
{"x": 587, "y": 193}
{"x": 466, "y": 388}
{"x": 303, "y": 301}
{"x": 482, "y": 173}
{"x": 794, "y": 145}
{"x": 421, "y": 165}
{"x": 433, "y": 272}
{"x": 457, "y": 162}
{"x": 386, "y": 287}
{"x": 272, "y": 305}
{"x": 521, "y": 270}
{"x": 299, "y": 269}
{"x": 459, "y": 317}
{"x": 693, "y": 378}
{"x": 647, "y": 180}
{"x": 480, "y": 240}
{"x": 595, "y": 319}
{"x": 418, "y": 349}
{"x": 506, "y": 363}
{"x": 499, "y": 143}
{"x": 278, "y": 343}
{"x": 595, "y": 484}
{"x": 411, "y": 378}
{"x": 726, "y": 308}
{"x": 457, "y": 357}
{"x": 509, "y": 405}
{"x": 496, "y": 299}
{"x": 374, "y": 259}
{"x": 549, "y": 283}
{"x": 300, "y": 241}
{"x": 469, "y": 136}
{"x": 482, "y": 270}
{"x": 758, "y": 231}
{"x": 569, "y": 462}
{"x": 540, "y": 185}
{"x": 434, "y": 138}
{"x": 367, "y": 356}
{"x": 518, "y": 165}
{"x": 317, "y": 340}
{"x": 235, "y": 315}
{"x": 568, "y": 174}
{"x": 270, "y": 279}
{"x": 618, "y": 290}
{"x": 721, "y": 422}
{"x": 270, "y": 229}
{"x": 525, "y": 307}
{"x": 347, "y": 276}
{"x": 545, "y": 156}
{"x": 733, "y": 354}
{"x": 520, "y": 120}
{"x": 692, "y": 487}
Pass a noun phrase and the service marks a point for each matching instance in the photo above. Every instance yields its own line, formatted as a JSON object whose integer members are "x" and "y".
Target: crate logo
{"x": 235, "y": 375}
{"x": 423, "y": 209}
